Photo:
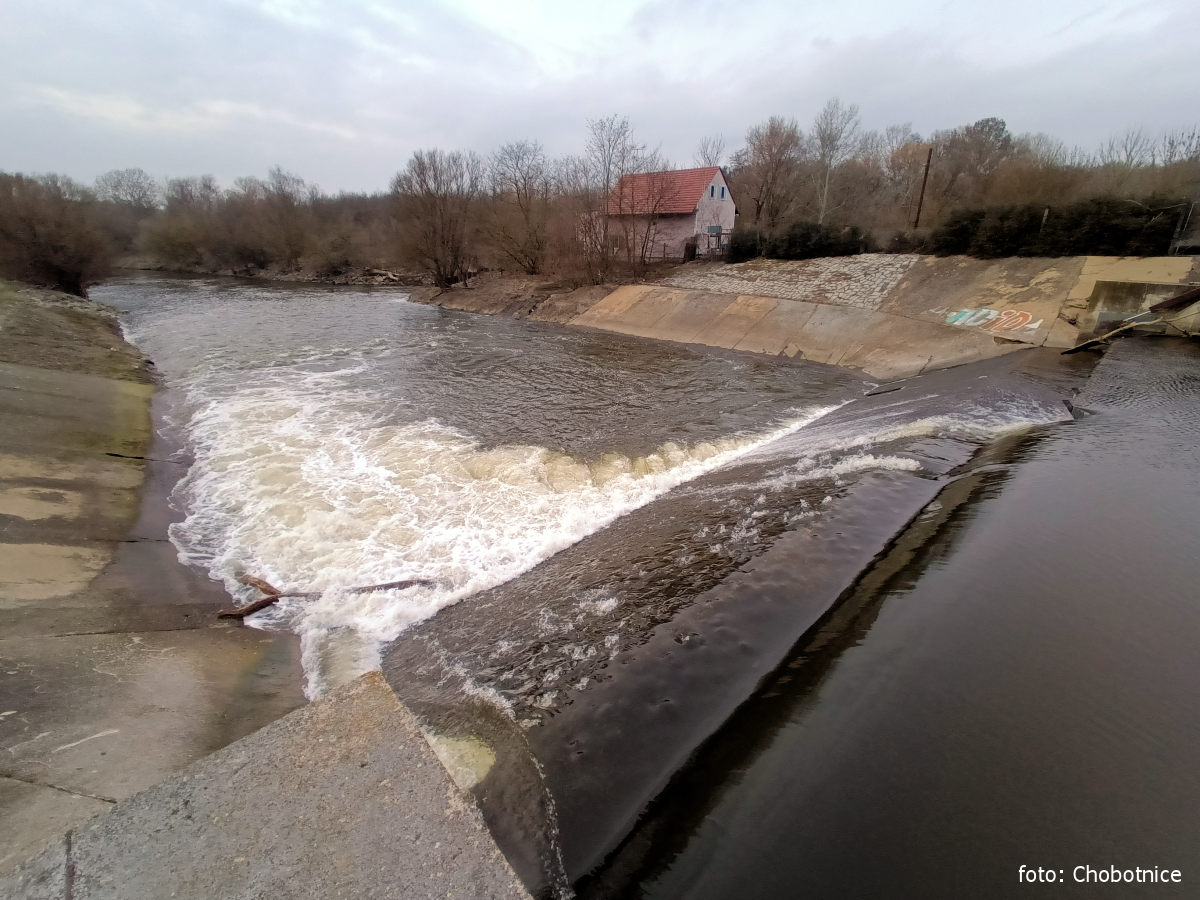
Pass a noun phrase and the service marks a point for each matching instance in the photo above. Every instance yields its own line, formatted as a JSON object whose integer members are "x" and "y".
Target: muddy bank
{"x": 543, "y": 298}
{"x": 352, "y": 275}
{"x": 113, "y": 670}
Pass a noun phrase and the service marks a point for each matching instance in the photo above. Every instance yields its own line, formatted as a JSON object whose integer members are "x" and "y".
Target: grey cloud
{"x": 342, "y": 93}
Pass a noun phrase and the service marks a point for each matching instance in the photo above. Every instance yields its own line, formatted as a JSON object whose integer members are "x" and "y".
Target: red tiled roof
{"x": 660, "y": 193}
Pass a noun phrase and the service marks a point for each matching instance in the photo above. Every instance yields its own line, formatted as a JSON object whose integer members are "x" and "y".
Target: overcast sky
{"x": 342, "y": 92}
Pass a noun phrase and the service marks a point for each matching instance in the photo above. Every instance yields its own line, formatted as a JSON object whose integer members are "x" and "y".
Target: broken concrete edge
{"x": 345, "y": 796}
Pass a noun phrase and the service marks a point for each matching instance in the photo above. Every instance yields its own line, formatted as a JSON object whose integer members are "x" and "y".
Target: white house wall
{"x": 671, "y": 233}
{"x": 714, "y": 210}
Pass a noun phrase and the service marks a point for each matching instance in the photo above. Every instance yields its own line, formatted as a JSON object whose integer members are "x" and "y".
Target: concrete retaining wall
{"x": 890, "y": 316}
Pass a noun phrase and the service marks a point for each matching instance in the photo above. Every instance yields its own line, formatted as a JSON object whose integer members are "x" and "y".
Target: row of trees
{"x": 837, "y": 173}
{"x": 451, "y": 213}
{"x": 448, "y": 213}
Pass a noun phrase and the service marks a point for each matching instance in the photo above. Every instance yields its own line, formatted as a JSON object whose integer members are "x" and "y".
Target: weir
{"x": 696, "y": 514}
{"x": 595, "y": 676}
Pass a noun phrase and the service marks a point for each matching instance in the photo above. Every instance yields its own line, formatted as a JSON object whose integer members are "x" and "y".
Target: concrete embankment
{"x": 112, "y": 674}
{"x": 117, "y": 682}
{"x": 889, "y": 316}
{"x": 342, "y": 798}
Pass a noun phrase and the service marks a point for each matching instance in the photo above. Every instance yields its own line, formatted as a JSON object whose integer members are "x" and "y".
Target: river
{"x": 628, "y": 539}
{"x": 339, "y": 438}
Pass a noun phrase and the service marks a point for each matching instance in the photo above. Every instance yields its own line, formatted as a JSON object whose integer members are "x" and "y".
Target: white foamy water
{"x": 296, "y": 481}
{"x": 343, "y": 439}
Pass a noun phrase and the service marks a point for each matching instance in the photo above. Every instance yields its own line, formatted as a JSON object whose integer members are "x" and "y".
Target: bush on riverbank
{"x": 1101, "y": 226}
{"x": 800, "y": 240}
{"x": 50, "y": 233}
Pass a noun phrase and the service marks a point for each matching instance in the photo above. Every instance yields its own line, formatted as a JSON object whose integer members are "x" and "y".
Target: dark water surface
{"x": 628, "y": 539}
{"x": 1015, "y": 683}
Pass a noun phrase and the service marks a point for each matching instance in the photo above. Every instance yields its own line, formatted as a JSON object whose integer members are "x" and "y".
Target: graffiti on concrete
{"x": 1000, "y": 320}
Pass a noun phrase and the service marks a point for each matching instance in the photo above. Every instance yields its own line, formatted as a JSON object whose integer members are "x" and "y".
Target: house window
{"x": 722, "y": 193}
{"x": 712, "y": 190}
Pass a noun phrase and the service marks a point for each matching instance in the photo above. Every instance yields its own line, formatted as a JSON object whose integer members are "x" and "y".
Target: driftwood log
{"x": 272, "y": 594}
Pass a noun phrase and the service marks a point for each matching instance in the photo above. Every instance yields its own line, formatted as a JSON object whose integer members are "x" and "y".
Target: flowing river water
{"x": 626, "y": 539}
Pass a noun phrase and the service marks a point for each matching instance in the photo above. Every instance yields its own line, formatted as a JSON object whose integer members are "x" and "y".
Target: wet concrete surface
{"x": 1012, "y": 684}
{"x": 342, "y": 798}
{"x": 114, "y": 672}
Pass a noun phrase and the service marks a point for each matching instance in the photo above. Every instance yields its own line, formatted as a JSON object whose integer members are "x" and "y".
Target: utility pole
{"x": 924, "y": 181}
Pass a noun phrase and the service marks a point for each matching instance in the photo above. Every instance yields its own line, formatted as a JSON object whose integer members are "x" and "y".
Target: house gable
{"x": 675, "y": 207}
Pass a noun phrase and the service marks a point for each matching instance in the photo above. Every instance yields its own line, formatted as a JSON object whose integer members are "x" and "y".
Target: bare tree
{"x": 436, "y": 197}
{"x": 129, "y": 187}
{"x": 607, "y": 226}
{"x": 1178, "y": 146}
{"x": 1129, "y": 150}
{"x": 710, "y": 151}
{"x": 521, "y": 199}
{"x": 49, "y": 234}
{"x": 640, "y": 200}
{"x": 834, "y": 140}
{"x": 767, "y": 169}
{"x": 196, "y": 192}
{"x": 965, "y": 161}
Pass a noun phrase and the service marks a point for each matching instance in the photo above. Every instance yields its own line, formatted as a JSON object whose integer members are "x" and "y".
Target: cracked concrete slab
{"x": 34, "y": 809}
{"x": 342, "y": 798}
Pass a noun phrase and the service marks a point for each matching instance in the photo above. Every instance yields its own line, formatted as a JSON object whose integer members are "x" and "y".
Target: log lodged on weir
{"x": 272, "y": 594}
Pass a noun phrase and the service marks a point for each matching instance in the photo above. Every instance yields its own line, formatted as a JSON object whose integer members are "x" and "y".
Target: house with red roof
{"x": 657, "y": 214}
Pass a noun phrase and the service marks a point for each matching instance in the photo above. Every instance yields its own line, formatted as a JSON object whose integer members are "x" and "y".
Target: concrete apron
{"x": 881, "y": 344}
{"x": 114, "y": 672}
{"x": 890, "y": 317}
{"x": 342, "y": 798}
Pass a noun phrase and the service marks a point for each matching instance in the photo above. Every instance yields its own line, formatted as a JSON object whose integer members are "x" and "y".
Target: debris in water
{"x": 272, "y": 594}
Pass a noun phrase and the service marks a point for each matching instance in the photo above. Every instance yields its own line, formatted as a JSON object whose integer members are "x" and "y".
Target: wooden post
{"x": 924, "y": 181}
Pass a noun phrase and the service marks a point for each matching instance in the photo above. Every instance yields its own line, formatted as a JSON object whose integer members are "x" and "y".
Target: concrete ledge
{"x": 342, "y": 798}
{"x": 881, "y": 344}
{"x": 889, "y": 316}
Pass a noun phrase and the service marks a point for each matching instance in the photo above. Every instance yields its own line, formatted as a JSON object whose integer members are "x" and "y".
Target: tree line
{"x": 832, "y": 187}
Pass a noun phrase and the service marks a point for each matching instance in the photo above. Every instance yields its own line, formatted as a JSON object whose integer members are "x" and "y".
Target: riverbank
{"x": 888, "y": 316}
{"x": 114, "y": 672}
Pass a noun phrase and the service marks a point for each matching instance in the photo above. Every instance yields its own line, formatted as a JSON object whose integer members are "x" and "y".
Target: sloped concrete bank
{"x": 117, "y": 682}
{"x": 889, "y": 316}
{"x": 113, "y": 671}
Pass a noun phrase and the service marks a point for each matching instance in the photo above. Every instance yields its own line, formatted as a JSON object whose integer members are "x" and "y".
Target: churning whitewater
{"x": 342, "y": 438}
{"x": 345, "y": 438}
{"x": 298, "y": 482}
